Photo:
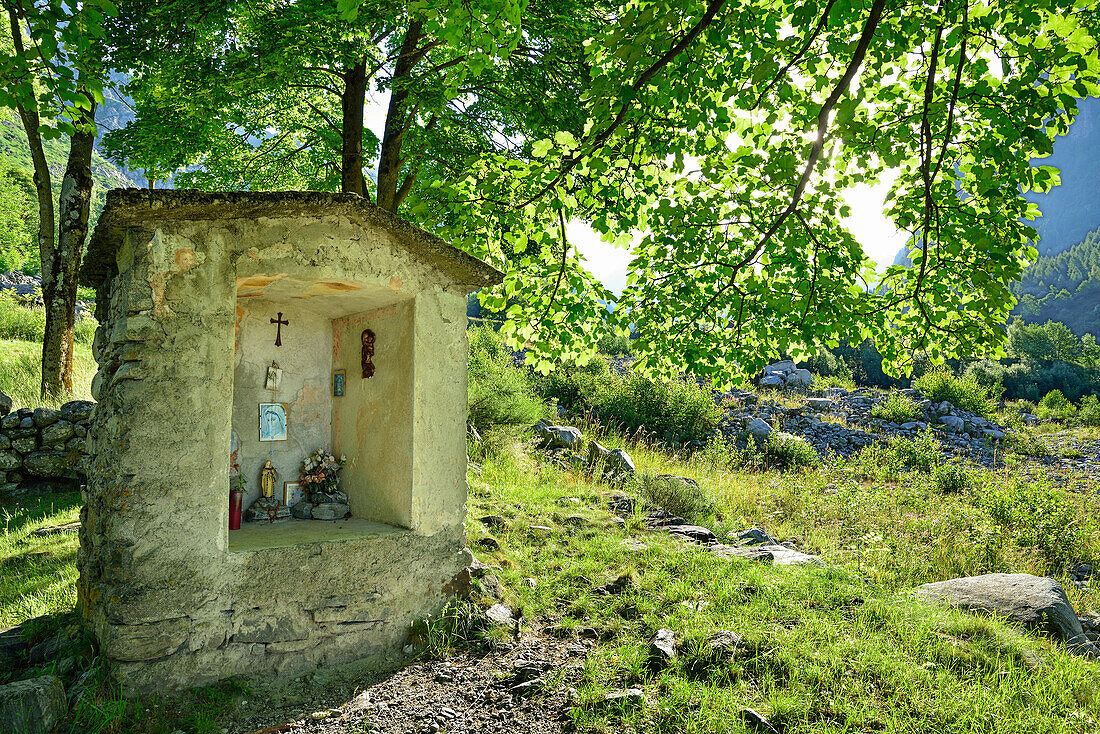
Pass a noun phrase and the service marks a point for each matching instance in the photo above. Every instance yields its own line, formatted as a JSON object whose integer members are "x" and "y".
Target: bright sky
{"x": 880, "y": 239}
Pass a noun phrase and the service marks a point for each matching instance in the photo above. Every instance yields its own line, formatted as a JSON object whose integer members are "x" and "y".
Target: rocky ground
{"x": 518, "y": 687}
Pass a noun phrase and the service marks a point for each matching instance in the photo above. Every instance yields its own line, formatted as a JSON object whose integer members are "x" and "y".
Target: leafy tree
{"x": 18, "y": 219}
{"x": 51, "y": 75}
{"x": 719, "y": 134}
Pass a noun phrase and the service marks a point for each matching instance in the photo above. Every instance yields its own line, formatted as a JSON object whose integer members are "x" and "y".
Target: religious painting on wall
{"x": 292, "y": 493}
{"x": 272, "y": 421}
{"x": 338, "y": 378}
{"x": 274, "y": 377}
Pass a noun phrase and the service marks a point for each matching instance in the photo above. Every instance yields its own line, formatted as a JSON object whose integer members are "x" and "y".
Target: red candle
{"x": 236, "y": 499}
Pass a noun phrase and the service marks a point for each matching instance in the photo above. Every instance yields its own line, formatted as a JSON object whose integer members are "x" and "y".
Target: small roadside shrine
{"x": 307, "y": 350}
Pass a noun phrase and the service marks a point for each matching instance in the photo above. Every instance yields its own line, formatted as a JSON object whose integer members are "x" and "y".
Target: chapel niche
{"x": 357, "y": 403}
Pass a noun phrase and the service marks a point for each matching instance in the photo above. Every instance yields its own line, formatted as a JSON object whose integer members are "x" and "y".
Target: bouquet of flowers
{"x": 319, "y": 473}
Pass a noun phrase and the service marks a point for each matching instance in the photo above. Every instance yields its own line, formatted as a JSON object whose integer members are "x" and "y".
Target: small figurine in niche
{"x": 368, "y": 352}
{"x": 267, "y": 508}
{"x": 274, "y": 377}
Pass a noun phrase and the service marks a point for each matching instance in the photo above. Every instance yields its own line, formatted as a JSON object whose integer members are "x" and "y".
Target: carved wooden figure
{"x": 368, "y": 352}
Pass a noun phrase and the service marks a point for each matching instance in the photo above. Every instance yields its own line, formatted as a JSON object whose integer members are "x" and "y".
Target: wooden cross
{"x": 279, "y": 329}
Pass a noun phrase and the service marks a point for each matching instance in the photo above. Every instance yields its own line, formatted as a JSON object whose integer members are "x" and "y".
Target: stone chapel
{"x": 201, "y": 299}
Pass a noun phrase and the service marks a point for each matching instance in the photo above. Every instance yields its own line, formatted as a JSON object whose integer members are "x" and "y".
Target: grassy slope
{"x": 840, "y": 648}
{"x": 20, "y": 373}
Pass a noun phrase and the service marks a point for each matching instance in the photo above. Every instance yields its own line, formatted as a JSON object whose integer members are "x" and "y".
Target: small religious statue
{"x": 267, "y": 508}
{"x": 368, "y": 352}
{"x": 274, "y": 376}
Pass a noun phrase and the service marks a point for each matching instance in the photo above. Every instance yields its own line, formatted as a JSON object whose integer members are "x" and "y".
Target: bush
{"x": 1089, "y": 412}
{"x": 1055, "y": 406}
{"x": 500, "y": 393}
{"x": 897, "y": 409}
{"x": 677, "y": 411}
{"x": 962, "y": 392}
{"x": 824, "y": 383}
{"x": 678, "y": 495}
{"x": 889, "y": 459}
{"x": 1040, "y": 517}
{"x": 950, "y": 478}
{"x": 826, "y": 364}
{"x": 614, "y": 345}
{"x": 28, "y": 323}
{"x": 780, "y": 451}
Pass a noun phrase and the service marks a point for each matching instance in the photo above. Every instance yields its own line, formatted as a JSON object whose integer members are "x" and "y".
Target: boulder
{"x": 759, "y": 428}
{"x": 32, "y": 706}
{"x": 596, "y": 455}
{"x": 77, "y": 410}
{"x": 953, "y": 423}
{"x": 51, "y": 463}
{"x": 662, "y": 649}
{"x": 619, "y": 462}
{"x": 821, "y": 405}
{"x": 784, "y": 366}
{"x": 1035, "y": 602}
{"x": 9, "y": 461}
{"x": 780, "y": 555}
{"x": 799, "y": 378}
{"x": 5, "y": 404}
{"x": 559, "y": 437}
{"x": 58, "y": 432}
{"x": 772, "y": 381}
{"x": 694, "y": 533}
{"x": 45, "y": 416}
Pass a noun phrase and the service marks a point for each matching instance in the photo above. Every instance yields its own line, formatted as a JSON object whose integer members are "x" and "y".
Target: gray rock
{"x": 772, "y": 381}
{"x": 662, "y": 649}
{"x": 330, "y": 511}
{"x": 5, "y": 404}
{"x": 302, "y": 510}
{"x": 780, "y": 555}
{"x": 33, "y": 706}
{"x": 759, "y": 428}
{"x": 77, "y": 410}
{"x": 619, "y": 462}
{"x": 58, "y": 432}
{"x": 24, "y": 445}
{"x": 694, "y": 533}
{"x": 559, "y": 437}
{"x": 821, "y": 405}
{"x": 500, "y": 614}
{"x": 45, "y": 416}
{"x": 267, "y": 510}
{"x": 5, "y": 442}
{"x": 596, "y": 455}
{"x": 1035, "y": 602}
{"x": 784, "y": 366}
{"x": 799, "y": 378}
{"x": 10, "y": 460}
{"x": 51, "y": 463}
{"x": 10, "y": 421}
{"x": 754, "y": 536}
{"x": 631, "y": 696}
{"x": 953, "y": 423}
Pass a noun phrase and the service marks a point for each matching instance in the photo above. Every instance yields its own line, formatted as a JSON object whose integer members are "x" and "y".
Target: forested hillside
{"x": 1064, "y": 287}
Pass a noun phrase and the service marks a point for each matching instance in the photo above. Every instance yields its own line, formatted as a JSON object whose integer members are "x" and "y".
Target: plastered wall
{"x": 373, "y": 422}
{"x": 305, "y": 358}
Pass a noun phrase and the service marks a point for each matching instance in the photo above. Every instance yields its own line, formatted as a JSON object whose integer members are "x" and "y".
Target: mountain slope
{"x": 1064, "y": 287}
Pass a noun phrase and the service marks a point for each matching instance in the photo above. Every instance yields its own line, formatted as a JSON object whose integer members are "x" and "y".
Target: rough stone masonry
{"x": 170, "y": 598}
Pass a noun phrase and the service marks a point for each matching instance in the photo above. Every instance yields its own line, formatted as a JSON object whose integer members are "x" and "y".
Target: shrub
{"x": 1040, "y": 517}
{"x": 950, "y": 478}
{"x": 888, "y": 459}
{"x": 786, "y": 451}
{"x": 1089, "y": 412}
{"x": 614, "y": 345}
{"x": 677, "y": 410}
{"x": 1055, "y": 406}
{"x": 962, "y": 392}
{"x": 824, "y": 383}
{"x": 897, "y": 409}
{"x": 28, "y": 323}
{"x": 826, "y": 364}
{"x": 678, "y": 495}
{"x": 499, "y": 391}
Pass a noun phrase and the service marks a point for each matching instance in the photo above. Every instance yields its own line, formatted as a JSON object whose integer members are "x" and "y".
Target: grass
{"x": 837, "y": 648}
{"x": 39, "y": 573}
{"x": 21, "y": 372}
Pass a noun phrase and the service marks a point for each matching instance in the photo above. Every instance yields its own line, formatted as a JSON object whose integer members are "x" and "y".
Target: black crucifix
{"x": 279, "y": 329}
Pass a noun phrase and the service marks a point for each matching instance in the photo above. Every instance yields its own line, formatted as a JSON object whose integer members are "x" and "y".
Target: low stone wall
{"x": 44, "y": 446}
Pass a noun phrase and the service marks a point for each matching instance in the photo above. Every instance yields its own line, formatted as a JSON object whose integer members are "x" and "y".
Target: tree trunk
{"x": 59, "y": 272}
{"x": 351, "y": 136}
{"x": 397, "y": 119}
